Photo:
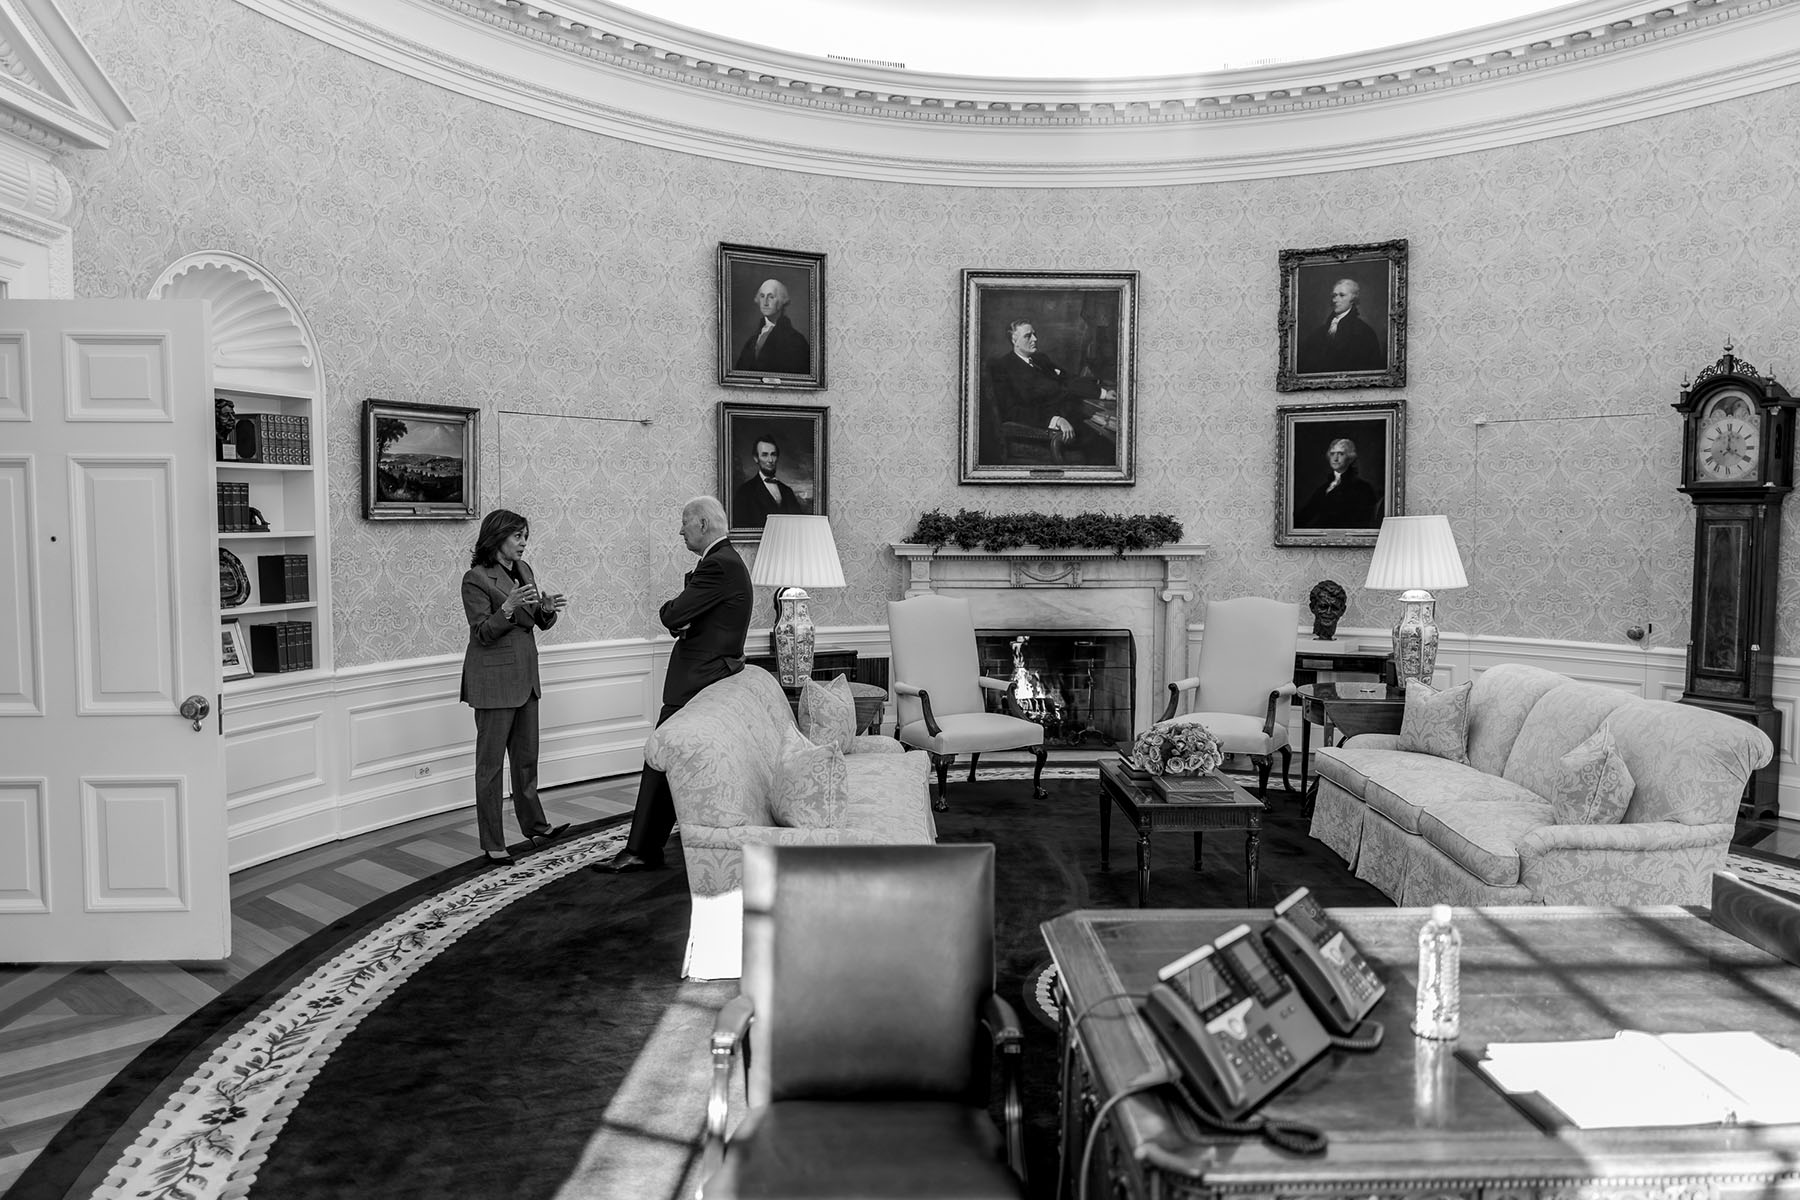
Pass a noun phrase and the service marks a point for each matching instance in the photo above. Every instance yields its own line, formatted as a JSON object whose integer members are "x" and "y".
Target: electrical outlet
{"x": 422, "y": 772}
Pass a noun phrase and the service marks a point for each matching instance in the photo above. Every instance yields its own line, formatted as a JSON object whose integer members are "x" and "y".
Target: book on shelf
{"x": 282, "y": 578}
{"x": 264, "y": 437}
{"x": 278, "y": 646}
{"x": 234, "y": 507}
{"x": 1636, "y": 1079}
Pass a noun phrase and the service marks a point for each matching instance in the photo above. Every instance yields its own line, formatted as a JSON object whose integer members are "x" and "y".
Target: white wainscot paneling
{"x": 24, "y": 850}
{"x": 391, "y": 735}
{"x": 371, "y": 747}
{"x": 133, "y": 840}
{"x": 272, "y": 761}
{"x": 596, "y": 713}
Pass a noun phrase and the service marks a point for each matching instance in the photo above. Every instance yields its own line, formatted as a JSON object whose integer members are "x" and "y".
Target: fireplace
{"x": 1145, "y": 593}
{"x": 1077, "y": 684}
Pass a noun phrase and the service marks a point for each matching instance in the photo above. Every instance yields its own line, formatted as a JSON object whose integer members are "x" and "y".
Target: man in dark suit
{"x": 1031, "y": 390}
{"x": 761, "y": 494}
{"x": 776, "y": 348}
{"x": 1346, "y": 500}
{"x": 1344, "y": 343}
{"x": 709, "y": 619}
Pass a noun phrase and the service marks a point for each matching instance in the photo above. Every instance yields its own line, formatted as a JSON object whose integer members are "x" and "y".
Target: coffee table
{"x": 1149, "y": 813}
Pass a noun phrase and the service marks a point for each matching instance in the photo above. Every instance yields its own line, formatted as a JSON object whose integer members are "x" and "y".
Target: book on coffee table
{"x": 1193, "y": 789}
{"x": 1134, "y": 770}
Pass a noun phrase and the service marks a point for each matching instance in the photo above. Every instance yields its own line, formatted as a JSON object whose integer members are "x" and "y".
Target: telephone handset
{"x": 1233, "y": 1022}
{"x": 1324, "y": 962}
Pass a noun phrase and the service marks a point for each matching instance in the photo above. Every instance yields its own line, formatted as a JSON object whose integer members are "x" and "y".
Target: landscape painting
{"x": 418, "y": 461}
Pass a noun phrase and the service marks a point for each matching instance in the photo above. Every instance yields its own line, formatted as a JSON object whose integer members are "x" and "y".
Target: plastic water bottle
{"x": 1436, "y": 1014}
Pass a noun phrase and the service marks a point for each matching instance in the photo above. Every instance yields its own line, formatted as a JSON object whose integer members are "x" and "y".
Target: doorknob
{"x": 195, "y": 709}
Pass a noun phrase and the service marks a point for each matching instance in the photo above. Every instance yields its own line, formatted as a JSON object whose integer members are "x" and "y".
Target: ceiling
{"x": 1085, "y": 39}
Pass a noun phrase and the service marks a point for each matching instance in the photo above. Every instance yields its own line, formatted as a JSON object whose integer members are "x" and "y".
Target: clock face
{"x": 1728, "y": 442}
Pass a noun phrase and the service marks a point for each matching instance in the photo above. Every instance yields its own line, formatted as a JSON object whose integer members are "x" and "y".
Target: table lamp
{"x": 796, "y": 553}
{"x": 1413, "y": 555}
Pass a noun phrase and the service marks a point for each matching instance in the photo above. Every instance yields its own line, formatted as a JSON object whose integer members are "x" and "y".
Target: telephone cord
{"x": 1366, "y": 1036}
{"x": 1292, "y": 1136}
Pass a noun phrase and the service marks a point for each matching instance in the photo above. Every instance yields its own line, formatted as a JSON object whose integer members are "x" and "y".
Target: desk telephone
{"x": 1239, "y": 1024}
{"x": 1324, "y": 962}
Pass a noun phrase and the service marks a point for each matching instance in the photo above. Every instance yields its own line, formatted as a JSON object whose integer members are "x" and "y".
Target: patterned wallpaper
{"x": 452, "y": 252}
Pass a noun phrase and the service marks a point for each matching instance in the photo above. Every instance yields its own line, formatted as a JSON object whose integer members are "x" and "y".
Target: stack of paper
{"x": 1646, "y": 1079}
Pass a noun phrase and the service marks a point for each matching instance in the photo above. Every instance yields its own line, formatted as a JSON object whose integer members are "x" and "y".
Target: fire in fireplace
{"x": 1077, "y": 684}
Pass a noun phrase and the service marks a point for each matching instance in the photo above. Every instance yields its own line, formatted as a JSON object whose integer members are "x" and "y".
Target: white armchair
{"x": 1245, "y": 681}
{"x": 938, "y": 691}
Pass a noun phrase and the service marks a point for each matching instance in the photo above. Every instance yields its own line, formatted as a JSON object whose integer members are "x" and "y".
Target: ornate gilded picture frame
{"x": 1343, "y": 317}
{"x": 419, "y": 462}
{"x": 1339, "y": 469}
{"x": 771, "y": 318}
{"x": 772, "y": 459}
{"x": 1049, "y": 376}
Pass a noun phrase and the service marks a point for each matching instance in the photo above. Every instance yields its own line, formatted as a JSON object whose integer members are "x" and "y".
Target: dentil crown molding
{"x": 595, "y": 66}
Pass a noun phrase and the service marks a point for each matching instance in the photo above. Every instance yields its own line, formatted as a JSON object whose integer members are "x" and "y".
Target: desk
{"x": 1409, "y": 1121}
{"x": 1148, "y": 812}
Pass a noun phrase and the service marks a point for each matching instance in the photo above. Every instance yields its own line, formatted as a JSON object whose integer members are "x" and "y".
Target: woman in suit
{"x": 500, "y": 678}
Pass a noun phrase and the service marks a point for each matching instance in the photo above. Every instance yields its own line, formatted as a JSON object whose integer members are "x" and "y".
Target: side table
{"x": 1348, "y": 708}
{"x": 871, "y": 703}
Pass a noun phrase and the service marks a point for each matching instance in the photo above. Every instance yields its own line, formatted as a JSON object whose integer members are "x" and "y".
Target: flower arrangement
{"x": 1178, "y": 748}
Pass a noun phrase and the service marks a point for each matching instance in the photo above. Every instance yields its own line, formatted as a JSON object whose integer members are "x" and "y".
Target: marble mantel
{"x": 1150, "y": 593}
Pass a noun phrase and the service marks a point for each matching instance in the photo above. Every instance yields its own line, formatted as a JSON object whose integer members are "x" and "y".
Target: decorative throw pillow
{"x": 827, "y": 713}
{"x": 812, "y": 787}
{"x": 1595, "y": 786}
{"x": 1436, "y": 723}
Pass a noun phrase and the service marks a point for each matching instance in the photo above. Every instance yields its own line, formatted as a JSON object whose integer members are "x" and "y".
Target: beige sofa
{"x": 721, "y": 753}
{"x": 1426, "y": 830}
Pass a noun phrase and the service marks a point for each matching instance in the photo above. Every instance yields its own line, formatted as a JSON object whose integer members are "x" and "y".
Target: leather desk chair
{"x": 868, "y": 974}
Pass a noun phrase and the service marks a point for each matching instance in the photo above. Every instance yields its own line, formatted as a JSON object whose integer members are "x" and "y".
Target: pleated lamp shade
{"x": 1415, "y": 553}
{"x": 797, "y": 552}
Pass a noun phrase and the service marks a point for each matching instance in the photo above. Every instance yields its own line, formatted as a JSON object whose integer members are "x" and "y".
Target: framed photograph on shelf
{"x": 771, "y": 318}
{"x": 1049, "y": 367}
{"x": 1340, "y": 468}
{"x": 771, "y": 460}
{"x": 234, "y": 651}
{"x": 419, "y": 462}
{"x": 1343, "y": 317}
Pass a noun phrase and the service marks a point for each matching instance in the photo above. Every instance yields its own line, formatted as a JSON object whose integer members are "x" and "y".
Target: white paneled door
{"x": 112, "y": 801}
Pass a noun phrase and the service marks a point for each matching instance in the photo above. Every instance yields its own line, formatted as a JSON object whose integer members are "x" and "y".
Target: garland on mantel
{"x": 974, "y": 530}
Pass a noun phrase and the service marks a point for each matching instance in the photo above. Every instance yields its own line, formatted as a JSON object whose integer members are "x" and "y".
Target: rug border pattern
{"x": 208, "y": 1139}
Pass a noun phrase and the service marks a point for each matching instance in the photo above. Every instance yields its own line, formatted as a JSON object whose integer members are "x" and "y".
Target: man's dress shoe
{"x": 550, "y": 835}
{"x": 625, "y": 861}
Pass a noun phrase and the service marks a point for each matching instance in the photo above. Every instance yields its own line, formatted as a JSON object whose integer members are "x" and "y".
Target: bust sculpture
{"x": 1327, "y": 600}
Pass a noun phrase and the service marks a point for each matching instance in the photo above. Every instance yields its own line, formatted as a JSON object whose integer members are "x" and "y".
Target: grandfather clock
{"x": 1737, "y": 465}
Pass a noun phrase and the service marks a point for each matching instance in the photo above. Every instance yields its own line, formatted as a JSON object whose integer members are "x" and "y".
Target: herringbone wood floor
{"x": 66, "y": 1029}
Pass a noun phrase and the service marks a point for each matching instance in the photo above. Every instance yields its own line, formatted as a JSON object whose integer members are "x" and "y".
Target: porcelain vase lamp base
{"x": 1416, "y": 637}
{"x": 794, "y": 639}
